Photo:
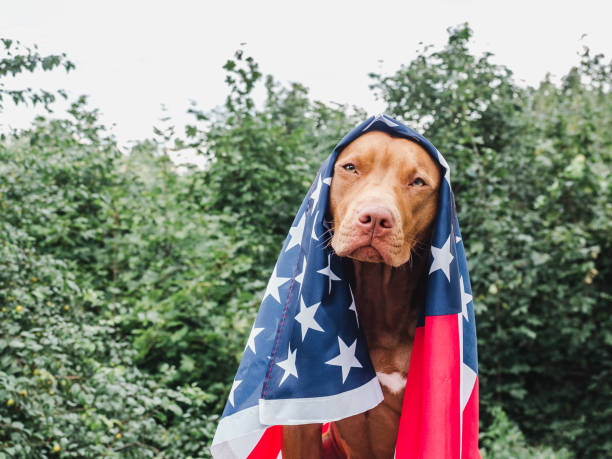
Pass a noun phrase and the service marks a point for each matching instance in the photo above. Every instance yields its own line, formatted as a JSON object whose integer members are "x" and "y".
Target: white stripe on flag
{"x": 293, "y": 411}
{"x": 238, "y": 434}
{"x": 468, "y": 379}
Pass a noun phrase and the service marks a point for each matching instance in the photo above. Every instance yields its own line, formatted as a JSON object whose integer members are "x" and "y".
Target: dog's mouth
{"x": 367, "y": 253}
{"x": 367, "y": 248}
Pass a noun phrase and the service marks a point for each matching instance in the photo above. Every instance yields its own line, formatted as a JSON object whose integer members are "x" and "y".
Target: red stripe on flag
{"x": 469, "y": 448}
{"x": 409, "y": 434}
{"x": 430, "y": 421}
{"x": 269, "y": 444}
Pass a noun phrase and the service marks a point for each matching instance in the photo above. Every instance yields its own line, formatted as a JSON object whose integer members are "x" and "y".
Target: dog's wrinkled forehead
{"x": 384, "y": 123}
{"x": 436, "y": 157}
{"x": 406, "y": 149}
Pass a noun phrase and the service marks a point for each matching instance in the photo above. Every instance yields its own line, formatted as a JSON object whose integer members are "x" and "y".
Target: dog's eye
{"x": 418, "y": 182}
{"x": 349, "y": 167}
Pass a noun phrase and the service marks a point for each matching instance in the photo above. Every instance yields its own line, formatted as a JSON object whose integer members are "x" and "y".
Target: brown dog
{"x": 383, "y": 201}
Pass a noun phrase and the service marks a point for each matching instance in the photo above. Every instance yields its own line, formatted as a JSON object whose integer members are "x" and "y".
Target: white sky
{"x": 132, "y": 56}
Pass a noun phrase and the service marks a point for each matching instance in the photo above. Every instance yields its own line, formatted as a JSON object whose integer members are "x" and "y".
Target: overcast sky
{"x": 132, "y": 56}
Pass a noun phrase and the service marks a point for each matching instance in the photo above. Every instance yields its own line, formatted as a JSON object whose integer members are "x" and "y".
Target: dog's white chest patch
{"x": 392, "y": 381}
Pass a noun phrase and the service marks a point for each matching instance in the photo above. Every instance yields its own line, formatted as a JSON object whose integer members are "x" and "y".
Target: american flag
{"x": 306, "y": 358}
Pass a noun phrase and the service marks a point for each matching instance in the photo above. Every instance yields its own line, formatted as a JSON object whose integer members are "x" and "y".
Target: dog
{"x": 383, "y": 201}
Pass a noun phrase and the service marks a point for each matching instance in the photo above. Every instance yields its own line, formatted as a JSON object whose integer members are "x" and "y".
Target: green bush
{"x": 504, "y": 440}
{"x": 68, "y": 373}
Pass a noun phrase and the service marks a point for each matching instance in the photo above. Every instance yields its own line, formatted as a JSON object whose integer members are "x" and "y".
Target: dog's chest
{"x": 373, "y": 434}
{"x": 388, "y": 319}
{"x": 391, "y": 362}
{"x": 394, "y": 382}
{"x": 389, "y": 357}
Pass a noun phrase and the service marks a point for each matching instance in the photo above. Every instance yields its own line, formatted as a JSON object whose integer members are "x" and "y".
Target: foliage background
{"x": 128, "y": 285}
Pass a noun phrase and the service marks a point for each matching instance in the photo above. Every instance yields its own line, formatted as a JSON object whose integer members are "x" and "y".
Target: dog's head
{"x": 383, "y": 198}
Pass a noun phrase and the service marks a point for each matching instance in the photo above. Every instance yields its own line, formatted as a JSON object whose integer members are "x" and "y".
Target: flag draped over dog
{"x": 306, "y": 358}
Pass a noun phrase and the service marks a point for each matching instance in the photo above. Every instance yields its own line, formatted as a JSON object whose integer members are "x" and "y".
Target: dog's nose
{"x": 375, "y": 218}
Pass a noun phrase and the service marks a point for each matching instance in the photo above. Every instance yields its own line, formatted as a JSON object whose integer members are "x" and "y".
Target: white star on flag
{"x": 306, "y": 317}
{"x": 231, "y": 394}
{"x": 465, "y": 299}
{"x": 288, "y": 365}
{"x": 300, "y": 277}
{"x": 346, "y": 358}
{"x": 296, "y": 233}
{"x": 316, "y": 193}
{"x": 380, "y": 117}
{"x": 328, "y": 272}
{"x": 273, "y": 284}
{"x": 353, "y": 307}
{"x": 314, "y": 225}
{"x": 457, "y": 239}
{"x": 251, "y": 341}
{"x": 442, "y": 258}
